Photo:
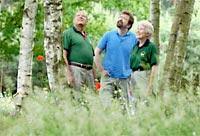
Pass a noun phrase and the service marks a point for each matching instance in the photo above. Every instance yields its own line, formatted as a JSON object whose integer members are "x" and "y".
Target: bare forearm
{"x": 68, "y": 68}
{"x": 98, "y": 65}
{"x": 70, "y": 78}
{"x": 151, "y": 78}
{"x": 97, "y": 60}
{"x": 65, "y": 59}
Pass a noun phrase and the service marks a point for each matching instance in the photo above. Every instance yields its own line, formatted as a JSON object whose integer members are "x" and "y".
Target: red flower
{"x": 97, "y": 85}
{"x": 40, "y": 58}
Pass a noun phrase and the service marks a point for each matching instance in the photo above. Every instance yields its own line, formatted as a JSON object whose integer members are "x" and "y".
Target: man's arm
{"x": 70, "y": 77}
{"x": 154, "y": 66}
{"x": 151, "y": 79}
{"x": 98, "y": 61}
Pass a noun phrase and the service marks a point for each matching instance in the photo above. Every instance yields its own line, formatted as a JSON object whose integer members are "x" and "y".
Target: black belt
{"x": 87, "y": 67}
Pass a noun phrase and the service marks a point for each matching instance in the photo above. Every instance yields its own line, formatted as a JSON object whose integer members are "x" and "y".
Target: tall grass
{"x": 56, "y": 114}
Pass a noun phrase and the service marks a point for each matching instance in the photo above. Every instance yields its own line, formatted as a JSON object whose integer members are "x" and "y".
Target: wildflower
{"x": 97, "y": 85}
{"x": 40, "y": 58}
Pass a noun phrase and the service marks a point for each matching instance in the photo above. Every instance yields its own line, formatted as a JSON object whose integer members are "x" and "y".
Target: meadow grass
{"x": 57, "y": 114}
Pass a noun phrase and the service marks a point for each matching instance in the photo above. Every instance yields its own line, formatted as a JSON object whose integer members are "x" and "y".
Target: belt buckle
{"x": 81, "y": 65}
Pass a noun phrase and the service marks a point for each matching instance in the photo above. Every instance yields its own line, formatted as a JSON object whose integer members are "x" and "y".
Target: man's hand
{"x": 105, "y": 73}
{"x": 70, "y": 78}
{"x": 151, "y": 79}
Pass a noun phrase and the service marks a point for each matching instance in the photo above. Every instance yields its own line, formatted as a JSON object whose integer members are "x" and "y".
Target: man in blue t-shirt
{"x": 115, "y": 70}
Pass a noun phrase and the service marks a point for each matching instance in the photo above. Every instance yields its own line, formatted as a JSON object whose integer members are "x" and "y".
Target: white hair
{"x": 147, "y": 26}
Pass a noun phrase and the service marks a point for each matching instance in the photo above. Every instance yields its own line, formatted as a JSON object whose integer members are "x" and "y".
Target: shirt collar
{"x": 145, "y": 44}
{"x": 127, "y": 34}
{"x": 84, "y": 34}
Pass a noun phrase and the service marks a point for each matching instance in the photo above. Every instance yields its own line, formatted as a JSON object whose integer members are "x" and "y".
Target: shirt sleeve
{"x": 103, "y": 42}
{"x": 66, "y": 40}
{"x": 154, "y": 55}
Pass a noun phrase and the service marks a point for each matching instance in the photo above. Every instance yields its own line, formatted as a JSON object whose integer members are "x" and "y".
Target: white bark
{"x": 24, "y": 79}
{"x": 52, "y": 41}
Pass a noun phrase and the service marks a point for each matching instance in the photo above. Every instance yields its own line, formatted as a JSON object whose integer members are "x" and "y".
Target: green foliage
{"x": 191, "y": 66}
{"x": 11, "y": 21}
{"x": 96, "y": 27}
{"x": 10, "y": 24}
{"x": 139, "y": 8}
{"x": 70, "y": 8}
{"x": 39, "y": 77}
{"x": 57, "y": 114}
{"x": 39, "y": 33}
{"x": 8, "y": 74}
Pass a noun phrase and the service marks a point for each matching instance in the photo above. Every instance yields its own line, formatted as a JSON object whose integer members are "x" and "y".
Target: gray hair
{"x": 148, "y": 27}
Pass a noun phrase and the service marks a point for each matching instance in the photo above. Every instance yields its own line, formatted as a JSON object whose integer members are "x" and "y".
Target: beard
{"x": 119, "y": 23}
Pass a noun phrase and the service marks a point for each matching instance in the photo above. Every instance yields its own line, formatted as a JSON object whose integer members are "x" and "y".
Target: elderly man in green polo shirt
{"x": 78, "y": 53}
{"x": 144, "y": 59}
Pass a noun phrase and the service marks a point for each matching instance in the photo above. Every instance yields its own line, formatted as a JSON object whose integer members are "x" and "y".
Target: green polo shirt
{"x": 78, "y": 47}
{"x": 144, "y": 57}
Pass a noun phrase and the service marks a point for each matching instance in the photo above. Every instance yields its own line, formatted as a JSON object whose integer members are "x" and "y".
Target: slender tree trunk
{"x": 171, "y": 49}
{"x": 24, "y": 79}
{"x": 52, "y": 41}
{"x": 177, "y": 44}
{"x": 155, "y": 19}
{"x": 181, "y": 44}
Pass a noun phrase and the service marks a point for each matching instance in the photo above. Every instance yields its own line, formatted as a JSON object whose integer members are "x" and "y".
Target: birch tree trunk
{"x": 24, "y": 78}
{"x": 181, "y": 44}
{"x": 155, "y": 19}
{"x": 52, "y": 41}
{"x": 177, "y": 44}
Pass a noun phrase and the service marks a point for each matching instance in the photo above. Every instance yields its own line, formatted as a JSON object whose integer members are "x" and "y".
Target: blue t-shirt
{"x": 117, "y": 53}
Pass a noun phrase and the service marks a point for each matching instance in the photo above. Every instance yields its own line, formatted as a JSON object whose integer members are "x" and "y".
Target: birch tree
{"x": 155, "y": 19}
{"x": 177, "y": 44}
{"x": 24, "y": 78}
{"x": 52, "y": 41}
